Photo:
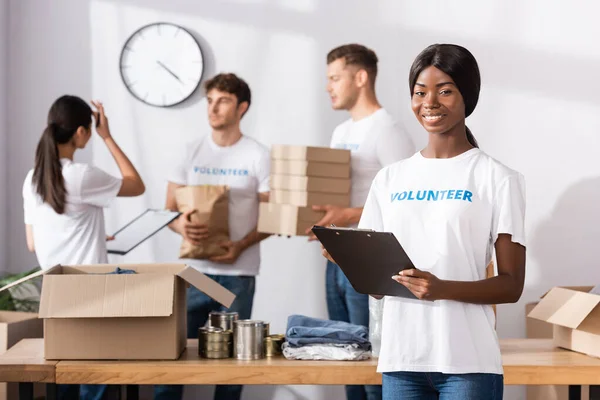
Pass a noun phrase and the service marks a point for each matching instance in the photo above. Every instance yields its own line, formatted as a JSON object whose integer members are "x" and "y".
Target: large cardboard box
{"x": 575, "y": 316}
{"x": 92, "y": 313}
{"x": 310, "y": 184}
{"x": 286, "y": 219}
{"x": 310, "y": 153}
{"x": 310, "y": 168}
{"x": 306, "y": 199}
{"x": 536, "y": 329}
{"x": 15, "y": 326}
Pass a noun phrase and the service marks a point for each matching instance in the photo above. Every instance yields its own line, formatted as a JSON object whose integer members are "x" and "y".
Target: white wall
{"x": 538, "y": 113}
{"x": 4, "y": 18}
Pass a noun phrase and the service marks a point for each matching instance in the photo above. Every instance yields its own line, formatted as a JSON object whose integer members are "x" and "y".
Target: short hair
{"x": 356, "y": 54}
{"x": 230, "y": 83}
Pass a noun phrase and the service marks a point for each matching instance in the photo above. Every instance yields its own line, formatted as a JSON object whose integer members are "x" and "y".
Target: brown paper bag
{"x": 211, "y": 203}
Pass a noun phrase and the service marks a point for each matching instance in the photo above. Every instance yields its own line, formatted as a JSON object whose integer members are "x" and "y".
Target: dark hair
{"x": 356, "y": 54}
{"x": 460, "y": 65}
{"x": 230, "y": 83}
{"x": 66, "y": 115}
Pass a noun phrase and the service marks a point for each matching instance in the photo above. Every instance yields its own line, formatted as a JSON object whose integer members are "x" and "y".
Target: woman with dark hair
{"x": 450, "y": 206}
{"x": 64, "y": 200}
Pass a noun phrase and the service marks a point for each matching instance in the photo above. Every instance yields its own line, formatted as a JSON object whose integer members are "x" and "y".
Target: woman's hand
{"x": 424, "y": 285}
{"x": 101, "y": 121}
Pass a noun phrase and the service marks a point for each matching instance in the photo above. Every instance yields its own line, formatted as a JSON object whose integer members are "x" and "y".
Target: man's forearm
{"x": 353, "y": 215}
{"x": 252, "y": 238}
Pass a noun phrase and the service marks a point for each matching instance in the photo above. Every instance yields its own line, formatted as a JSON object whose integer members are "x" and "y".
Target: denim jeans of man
{"x": 438, "y": 386}
{"x": 347, "y": 305}
{"x": 87, "y": 392}
{"x": 199, "y": 306}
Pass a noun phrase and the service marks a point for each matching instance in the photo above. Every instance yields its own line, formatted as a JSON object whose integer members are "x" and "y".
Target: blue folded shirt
{"x": 302, "y": 330}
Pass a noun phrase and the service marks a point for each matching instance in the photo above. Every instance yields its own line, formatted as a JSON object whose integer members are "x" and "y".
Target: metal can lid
{"x": 277, "y": 336}
{"x": 223, "y": 313}
{"x": 249, "y": 322}
{"x": 207, "y": 329}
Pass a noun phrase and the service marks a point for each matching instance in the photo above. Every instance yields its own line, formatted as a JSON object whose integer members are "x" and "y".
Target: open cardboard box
{"x": 575, "y": 316}
{"x": 90, "y": 312}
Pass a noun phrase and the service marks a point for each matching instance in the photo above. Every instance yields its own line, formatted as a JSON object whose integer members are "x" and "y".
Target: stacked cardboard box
{"x": 301, "y": 177}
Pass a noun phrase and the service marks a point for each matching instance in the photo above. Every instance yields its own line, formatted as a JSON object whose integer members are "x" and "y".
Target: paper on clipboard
{"x": 139, "y": 229}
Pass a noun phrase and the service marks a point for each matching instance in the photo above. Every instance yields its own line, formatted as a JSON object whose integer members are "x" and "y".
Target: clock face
{"x": 161, "y": 64}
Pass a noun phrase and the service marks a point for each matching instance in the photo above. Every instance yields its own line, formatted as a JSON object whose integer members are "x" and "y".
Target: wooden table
{"x": 526, "y": 362}
{"x": 24, "y": 363}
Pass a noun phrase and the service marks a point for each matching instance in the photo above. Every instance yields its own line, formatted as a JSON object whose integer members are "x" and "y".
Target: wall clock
{"x": 161, "y": 64}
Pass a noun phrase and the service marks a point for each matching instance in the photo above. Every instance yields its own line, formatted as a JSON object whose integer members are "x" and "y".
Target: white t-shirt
{"x": 447, "y": 214}
{"x": 375, "y": 142}
{"x": 77, "y": 236}
{"x": 244, "y": 167}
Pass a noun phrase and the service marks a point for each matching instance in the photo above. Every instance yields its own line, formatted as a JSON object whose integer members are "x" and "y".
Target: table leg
{"x": 594, "y": 392}
{"x": 574, "y": 392}
{"x": 25, "y": 390}
{"x": 133, "y": 392}
{"x": 51, "y": 391}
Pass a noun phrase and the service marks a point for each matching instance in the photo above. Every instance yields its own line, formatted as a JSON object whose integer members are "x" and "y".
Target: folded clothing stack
{"x": 319, "y": 339}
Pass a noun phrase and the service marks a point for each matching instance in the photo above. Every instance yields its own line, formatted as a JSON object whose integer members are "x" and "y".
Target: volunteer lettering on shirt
{"x": 220, "y": 171}
{"x": 244, "y": 167}
{"x": 447, "y": 214}
{"x": 433, "y": 195}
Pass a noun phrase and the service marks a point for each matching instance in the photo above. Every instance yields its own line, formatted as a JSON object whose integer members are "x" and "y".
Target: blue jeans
{"x": 81, "y": 392}
{"x": 347, "y": 305}
{"x": 199, "y": 306}
{"x": 435, "y": 385}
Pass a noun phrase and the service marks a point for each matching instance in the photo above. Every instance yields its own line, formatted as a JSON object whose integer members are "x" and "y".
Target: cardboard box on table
{"x": 15, "y": 326}
{"x": 571, "y": 317}
{"x": 90, "y": 312}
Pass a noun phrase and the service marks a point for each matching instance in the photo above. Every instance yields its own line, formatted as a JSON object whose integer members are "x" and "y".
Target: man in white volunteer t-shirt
{"x": 223, "y": 157}
{"x": 375, "y": 140}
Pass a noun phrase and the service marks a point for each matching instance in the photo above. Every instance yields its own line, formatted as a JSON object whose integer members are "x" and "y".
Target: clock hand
{"x": 168, "y": 70}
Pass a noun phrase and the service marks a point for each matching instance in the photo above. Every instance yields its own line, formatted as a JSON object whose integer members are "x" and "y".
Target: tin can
{"x": 248, "y": 339}
{"x": 273, "y": 345}
{"x": 214, "y": 342}
{"x": 223, "y": 320}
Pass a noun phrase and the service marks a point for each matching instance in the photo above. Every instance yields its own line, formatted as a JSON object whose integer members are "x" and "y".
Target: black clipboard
{"x": 369, "y": 259}
{"x": 139, "y": 230}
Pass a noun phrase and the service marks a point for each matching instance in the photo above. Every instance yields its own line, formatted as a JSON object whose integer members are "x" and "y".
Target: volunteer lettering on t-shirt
{"x": 223, "y": 156}
{"x": 63, "y": 200}
{"x": 450, "y": 206}
{"x": 375, "y": 140}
